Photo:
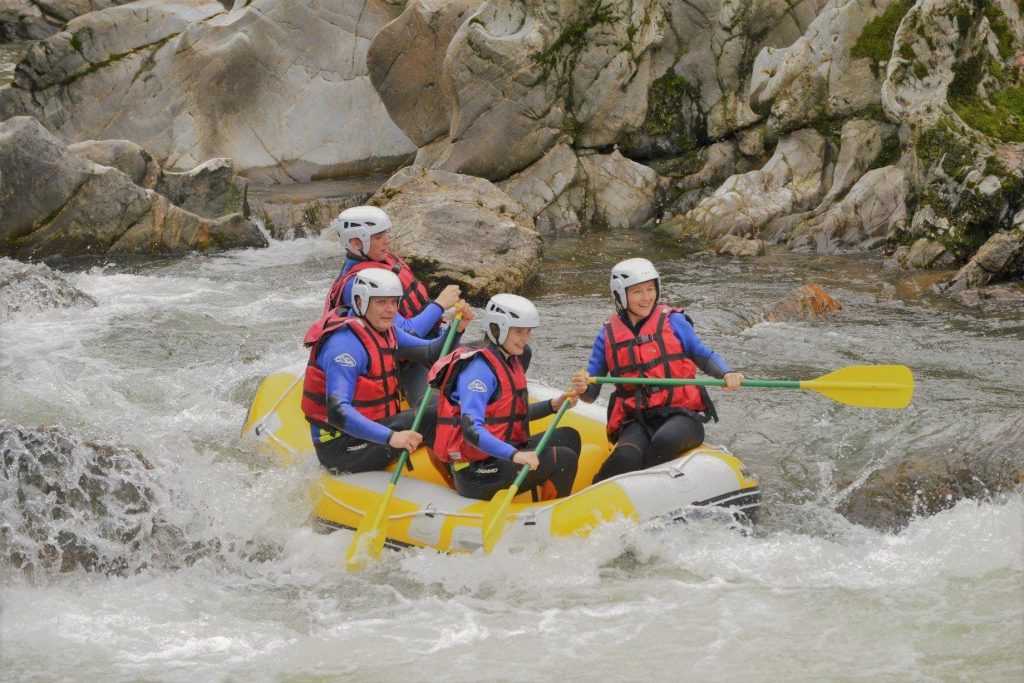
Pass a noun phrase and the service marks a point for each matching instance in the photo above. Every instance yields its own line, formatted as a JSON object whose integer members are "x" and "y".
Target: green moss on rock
{"x": 667, "y": 99}
{"x": 876, "y": 40}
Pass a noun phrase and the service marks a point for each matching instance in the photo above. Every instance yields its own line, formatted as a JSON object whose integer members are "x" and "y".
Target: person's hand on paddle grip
{"x": 526, "y": 458}
{"x": 733, "y": 380}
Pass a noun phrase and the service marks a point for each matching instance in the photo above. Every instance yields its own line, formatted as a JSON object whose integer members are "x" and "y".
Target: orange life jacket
{"x": 506, "y": 416}
{"x": 414, "y": 298}
{"x": 654, "y": 351}
{"x": 376, "y": 392}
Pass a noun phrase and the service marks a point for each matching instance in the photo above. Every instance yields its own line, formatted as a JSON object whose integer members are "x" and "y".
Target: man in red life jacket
{"x": 643, "y": 338}
{"x": 365, "y": 234}
{"x": 350, "y": 394}
{"x": 484, "y": 411}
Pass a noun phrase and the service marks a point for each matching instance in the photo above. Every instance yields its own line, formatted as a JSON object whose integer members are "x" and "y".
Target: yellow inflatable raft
{"x": 426, "y": 511}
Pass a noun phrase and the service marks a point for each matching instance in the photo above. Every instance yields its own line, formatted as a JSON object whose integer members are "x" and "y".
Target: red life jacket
{"x": 654, "y": 351}
{"x": 506, "y": 416}
{"x": 414, "y": 298}
{"x": 376, "y": 392}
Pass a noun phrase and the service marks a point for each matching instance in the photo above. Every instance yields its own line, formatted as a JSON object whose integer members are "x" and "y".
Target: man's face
{"x": 379, "y": 246}
{"x": 381, "y": 312}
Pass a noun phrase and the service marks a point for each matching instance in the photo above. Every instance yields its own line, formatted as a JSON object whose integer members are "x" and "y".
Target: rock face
{"x": 190, "y": 81}
{"x": 85, "y": 208}
{"x": 38, "y": 19}
{"x": 29, "y": 288}
{"x": 432, "y": 211}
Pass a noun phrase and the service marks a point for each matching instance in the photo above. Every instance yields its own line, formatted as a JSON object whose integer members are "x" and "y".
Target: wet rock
{"x": 34, "y": 287}
{"x": 924, "y": 253}
{"x": 809, "y": 302}
{"x": 1000, "y": 258}
{"x": 460, "y": 229}
{"x": 305, "y": 209}
{"x": 85, "y": 208}
{"x": 554, "y": 191}
{"x": 211, "y": 189}
{"x": 924, "y": 484}
{"x": 793, "y": 180}
{"x": 731, "y": 245}
{"x": 863, "y": 219}
{"x": 622, "y": 192}
{"x": 124, "y": 155}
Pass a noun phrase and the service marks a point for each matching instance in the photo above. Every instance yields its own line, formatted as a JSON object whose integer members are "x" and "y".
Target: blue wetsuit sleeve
{"x": 596, "y": 366}
{"x": 343, "y": 360}
{"x": 424, "y": 323}
{"x": 706, "y": 359}
{"x": 422, "y": 351}
{"x": 474, "y": 388}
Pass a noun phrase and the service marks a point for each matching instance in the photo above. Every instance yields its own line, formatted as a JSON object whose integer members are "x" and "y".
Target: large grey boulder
{"x": 564, "y": 191}
{"x": 38, "y": 19}
{"x": 518, "y": 76}
{"x": 455, "y": 228}
{"x": 406, "y": 65}
{"x": 862, "y": 220}
{"x": 554, "y": 191}
{"x": 817, "y": 76}
{"x": 793, "y": 180}
{"x": 124, "y": 155}
{"x": 280, "y": 88}
{"x": 85, "y": 208}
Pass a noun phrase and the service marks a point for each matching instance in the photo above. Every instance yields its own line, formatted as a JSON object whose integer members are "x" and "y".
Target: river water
{"x": 171, "y": 356}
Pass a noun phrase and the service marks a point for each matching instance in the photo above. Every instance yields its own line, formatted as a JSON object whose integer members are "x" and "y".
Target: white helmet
{"x": 508, "y": 310}
{"x": 373, "y": 282}
{"x": 361, "y": 223}
{"x": 630, "y": 272}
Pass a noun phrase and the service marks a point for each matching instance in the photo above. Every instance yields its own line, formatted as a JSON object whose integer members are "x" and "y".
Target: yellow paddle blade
{"x": 368, "y": 543}
{"x": 495, "y": 515}
{"x": 867, "y": 386}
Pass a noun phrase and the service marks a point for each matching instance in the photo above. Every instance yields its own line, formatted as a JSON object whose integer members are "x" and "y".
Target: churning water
{"x": 239, "y": 588}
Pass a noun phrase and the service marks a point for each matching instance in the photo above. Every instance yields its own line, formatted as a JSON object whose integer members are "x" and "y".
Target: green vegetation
{"x": 1000, "y": 27}
{"x": 1002, "y": 118}
{"x": 876, "y": 40}
{"x": 667, "y": 99}
{"x": 560, "y": 58}
{"x": 973, "y": 216}
{"x": 890, "y": 153}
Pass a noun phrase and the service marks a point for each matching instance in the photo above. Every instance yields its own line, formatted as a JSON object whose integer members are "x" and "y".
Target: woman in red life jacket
{"x": 650, "y": 424}
{"x": 350, "y": 394}
{"x": 365, "y": 233}
{"x": 483, "y": 416}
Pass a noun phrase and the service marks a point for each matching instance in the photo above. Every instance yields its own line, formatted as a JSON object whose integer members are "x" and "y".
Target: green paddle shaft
{"x": 404, "y": 456}
{"x": 370, "y": 535}
{"x": 521, "y": 477}
{"x": 698, "y": 381}
{"x": 493, "y": 523}
{"x": 866, "y": 386}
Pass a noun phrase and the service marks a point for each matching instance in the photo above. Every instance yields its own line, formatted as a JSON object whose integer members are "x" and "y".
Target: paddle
{"x": 866, "y": 386}
{"x": 495, "y": 513}
{"x": 368, "y": 541}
